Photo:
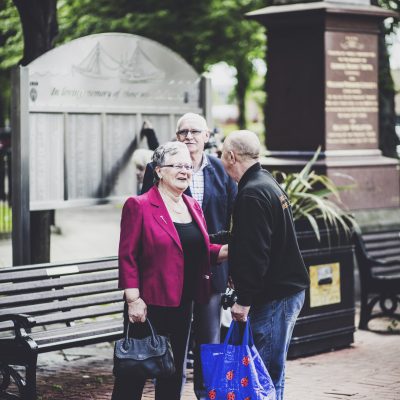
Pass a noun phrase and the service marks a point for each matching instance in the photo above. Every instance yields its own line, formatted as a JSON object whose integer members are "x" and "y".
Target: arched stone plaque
{"x": 87, "y": 101}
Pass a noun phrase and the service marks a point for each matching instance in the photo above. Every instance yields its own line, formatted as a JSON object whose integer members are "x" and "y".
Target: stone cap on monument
{"x": 360, "y": 7}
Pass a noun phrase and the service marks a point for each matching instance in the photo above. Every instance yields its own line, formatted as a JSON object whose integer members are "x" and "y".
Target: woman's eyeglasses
{"x": 187, "y": 167}
{"x": 184, "y": 132}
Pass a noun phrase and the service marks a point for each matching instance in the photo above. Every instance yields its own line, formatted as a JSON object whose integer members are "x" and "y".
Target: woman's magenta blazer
{"x": 150, "y": 252}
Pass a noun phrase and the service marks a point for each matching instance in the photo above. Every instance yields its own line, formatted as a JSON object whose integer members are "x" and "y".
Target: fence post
{"x": 20, "y": 166}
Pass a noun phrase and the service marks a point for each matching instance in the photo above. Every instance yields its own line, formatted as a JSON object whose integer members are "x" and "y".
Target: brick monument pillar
{"x": 322, "y": 85}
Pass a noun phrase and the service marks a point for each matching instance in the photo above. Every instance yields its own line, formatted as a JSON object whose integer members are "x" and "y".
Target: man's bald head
{"x": 244, "y": 144}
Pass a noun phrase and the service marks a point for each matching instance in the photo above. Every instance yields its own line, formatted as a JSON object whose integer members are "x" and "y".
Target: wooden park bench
{"x": 51, "y": 307}
{"x": 378, "y": 258}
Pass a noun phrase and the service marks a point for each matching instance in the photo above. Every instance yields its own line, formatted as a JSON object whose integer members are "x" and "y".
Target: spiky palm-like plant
{"x": 311, "y": 196}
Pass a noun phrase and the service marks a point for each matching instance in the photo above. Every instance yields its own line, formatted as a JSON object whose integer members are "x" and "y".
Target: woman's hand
{"x": 223, "y": 254}
{"x": 137, "y": 310}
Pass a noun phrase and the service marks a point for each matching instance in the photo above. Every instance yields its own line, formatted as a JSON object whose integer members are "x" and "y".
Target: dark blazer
{"x": 150, "y": 252}
{"x": 219, "y": 194}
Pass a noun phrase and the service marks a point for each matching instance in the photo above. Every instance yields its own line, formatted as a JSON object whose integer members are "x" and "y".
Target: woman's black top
{"x": 193, "y": 245}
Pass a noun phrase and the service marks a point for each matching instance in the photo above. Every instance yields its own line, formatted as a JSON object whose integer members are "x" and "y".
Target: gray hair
{"x": 244, "y": 143}
{"x": 193, "y": 117}
{"x": 162, "y": 152}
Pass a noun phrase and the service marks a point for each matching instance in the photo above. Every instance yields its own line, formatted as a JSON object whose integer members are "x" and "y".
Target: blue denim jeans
{"x": 272, "y": 325}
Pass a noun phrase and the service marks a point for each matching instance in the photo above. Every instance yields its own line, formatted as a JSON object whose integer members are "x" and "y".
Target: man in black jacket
{"x": 265, "y": 263}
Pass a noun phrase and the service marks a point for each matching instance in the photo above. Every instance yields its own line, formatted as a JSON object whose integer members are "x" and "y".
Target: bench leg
{"x": 30, "y": 387}
{"x": 7, "y": 373}
{"x": 364, "y": 317}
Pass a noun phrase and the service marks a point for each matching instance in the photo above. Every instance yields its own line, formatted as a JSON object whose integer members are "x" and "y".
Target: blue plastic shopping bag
{"x": 235, "y": 371}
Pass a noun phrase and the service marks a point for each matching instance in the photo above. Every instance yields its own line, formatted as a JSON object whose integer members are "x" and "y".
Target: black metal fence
{"x": 5, "y": 184}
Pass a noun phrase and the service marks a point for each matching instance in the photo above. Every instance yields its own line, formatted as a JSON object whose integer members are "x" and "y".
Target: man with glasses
{"x": 215, "y": 191}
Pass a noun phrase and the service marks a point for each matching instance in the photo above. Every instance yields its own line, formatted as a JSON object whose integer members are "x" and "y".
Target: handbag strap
{"x": 153, "y": 332}
{"x": 234, "y": 331}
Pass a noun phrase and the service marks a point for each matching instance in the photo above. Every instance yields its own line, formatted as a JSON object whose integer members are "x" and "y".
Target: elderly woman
{"x": 164, "y": 262}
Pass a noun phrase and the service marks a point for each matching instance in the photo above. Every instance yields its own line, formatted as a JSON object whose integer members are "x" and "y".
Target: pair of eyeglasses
{"x": 187, "y": 167}
{"x": 184, "y": 132}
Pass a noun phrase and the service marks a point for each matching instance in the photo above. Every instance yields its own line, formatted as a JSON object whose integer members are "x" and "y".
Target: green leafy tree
{"x": 203, "y": 33}
{"x": 11, "y": 48}
{"x": 388, "y": 140}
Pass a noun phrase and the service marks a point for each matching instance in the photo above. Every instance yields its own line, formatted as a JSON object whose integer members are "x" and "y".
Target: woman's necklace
{"x": 176, "y": 207}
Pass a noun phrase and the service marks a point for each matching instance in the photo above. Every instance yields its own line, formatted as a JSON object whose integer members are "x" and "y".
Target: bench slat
{"x": 383, "y": 245}
{"x": 101, "y": 287}
{"x": 62, "y": 305}
{"x": 384, "y": 253}
{"x": 16, "y": 274}
{"x": 62, "y": 281}
{"x": 74, "y": 315}
{"x": 380, "y": 236}
{"x": 57, "y": 334}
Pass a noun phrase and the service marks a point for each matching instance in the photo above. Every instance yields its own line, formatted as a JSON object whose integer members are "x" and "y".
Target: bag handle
{"x": 154, "y": 340}
{"x": 247, "y": 334}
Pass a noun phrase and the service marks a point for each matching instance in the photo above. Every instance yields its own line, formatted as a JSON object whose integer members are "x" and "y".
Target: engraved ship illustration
{"x": 98, "y": 64}
{"x": 139, "y": 68}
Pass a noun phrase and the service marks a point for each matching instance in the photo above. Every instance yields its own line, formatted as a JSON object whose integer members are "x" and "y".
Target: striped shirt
{"x": 197, "y": 185}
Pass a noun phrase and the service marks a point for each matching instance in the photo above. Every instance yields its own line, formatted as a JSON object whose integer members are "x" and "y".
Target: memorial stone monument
{"x": 322, "y": 86}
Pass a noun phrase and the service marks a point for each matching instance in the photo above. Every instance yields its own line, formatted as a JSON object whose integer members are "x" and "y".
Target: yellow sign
{"x": 325, "y": 284}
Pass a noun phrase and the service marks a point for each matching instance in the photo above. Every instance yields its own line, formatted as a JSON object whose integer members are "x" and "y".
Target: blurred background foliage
{"x": 203, "y": 32}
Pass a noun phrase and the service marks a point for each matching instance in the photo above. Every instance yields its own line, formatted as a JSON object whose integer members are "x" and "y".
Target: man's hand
{"x": 239, "y": 313}
{"x": 223, "y": 254}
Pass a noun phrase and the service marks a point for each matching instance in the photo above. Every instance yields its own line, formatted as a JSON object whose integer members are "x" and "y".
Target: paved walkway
{"x": 370, "y": 369}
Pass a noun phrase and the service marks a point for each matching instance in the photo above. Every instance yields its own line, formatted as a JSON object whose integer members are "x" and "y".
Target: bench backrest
{"x": 382, "y": 246}
{"x": 61, "y": 293}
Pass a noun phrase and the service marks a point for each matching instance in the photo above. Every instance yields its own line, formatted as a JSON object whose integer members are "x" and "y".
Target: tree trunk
{"x": 388, "y": 139}
{"x": 40, "y": 236}
{"x": 243, "y": 81}
{"x": 40, "y": 27}
{"x": 241, "y": 99}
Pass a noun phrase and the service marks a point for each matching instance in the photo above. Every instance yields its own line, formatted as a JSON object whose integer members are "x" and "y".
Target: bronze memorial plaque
{"x": 351, "y": 95}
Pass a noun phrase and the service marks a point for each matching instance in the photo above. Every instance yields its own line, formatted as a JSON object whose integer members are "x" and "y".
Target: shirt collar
{"x": 204, "y": 163}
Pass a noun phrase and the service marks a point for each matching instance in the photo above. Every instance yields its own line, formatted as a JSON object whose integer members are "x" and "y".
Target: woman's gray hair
{"x": 162, "y": 152}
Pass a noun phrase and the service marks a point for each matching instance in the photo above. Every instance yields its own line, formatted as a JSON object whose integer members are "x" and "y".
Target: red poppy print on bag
{"x": 212, "y": 394}
{"x": 244, "y": 381}
{"x": 229, "y": 375}
{"x": 230, "y": 396}
{"x": 246, "y": 360}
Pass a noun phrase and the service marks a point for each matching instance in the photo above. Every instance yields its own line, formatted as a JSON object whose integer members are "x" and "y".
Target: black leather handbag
{"x": 150, "y": 357}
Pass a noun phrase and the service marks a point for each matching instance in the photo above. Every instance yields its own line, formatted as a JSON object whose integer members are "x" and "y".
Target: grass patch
{"x": 5, "y": 218}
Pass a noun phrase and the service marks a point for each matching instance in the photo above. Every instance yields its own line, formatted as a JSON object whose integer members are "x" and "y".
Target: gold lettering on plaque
{"x": 351, "y": 95}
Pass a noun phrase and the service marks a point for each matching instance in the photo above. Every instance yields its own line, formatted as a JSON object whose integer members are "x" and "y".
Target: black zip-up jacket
{"x": 264, "y": 257}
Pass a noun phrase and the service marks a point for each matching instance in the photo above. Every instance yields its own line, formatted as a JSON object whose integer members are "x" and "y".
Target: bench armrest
{"x": 22, "y": 322}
